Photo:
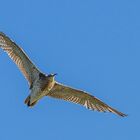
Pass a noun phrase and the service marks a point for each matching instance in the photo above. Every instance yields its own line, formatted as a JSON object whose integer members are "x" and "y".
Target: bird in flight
{"x": 45, "y": 85}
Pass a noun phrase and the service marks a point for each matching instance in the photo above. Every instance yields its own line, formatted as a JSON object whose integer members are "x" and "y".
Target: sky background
{"x": 93, "y": 45}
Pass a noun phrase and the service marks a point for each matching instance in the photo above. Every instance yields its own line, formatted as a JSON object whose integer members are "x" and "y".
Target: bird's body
{"x": 40, "y": 88}
{"x": 45, "y": 85}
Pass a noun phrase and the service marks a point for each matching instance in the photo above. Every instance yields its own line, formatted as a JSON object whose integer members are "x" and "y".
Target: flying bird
{"x": 41, "y": 84}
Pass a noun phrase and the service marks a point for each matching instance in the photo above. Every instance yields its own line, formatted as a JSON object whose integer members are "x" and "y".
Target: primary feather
{"x": 28, "y": 69}
{"x": 81, "y": 97}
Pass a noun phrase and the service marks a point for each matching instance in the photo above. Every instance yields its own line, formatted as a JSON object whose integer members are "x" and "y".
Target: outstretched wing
{"x": 19, "y": 57}
{"x": 80, "y": 97}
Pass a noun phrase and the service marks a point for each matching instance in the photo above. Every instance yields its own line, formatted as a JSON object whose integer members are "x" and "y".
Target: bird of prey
{"x": 45, "y": 85}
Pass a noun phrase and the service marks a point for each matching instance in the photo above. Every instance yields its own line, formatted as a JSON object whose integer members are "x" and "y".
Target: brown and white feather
{"x": 81, "y": 97}
{"x": 28, "y": 69}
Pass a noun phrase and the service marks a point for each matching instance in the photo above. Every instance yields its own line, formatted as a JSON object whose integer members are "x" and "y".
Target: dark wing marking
{"x": 28, "y": 69}
{"x": 80, "y": 97}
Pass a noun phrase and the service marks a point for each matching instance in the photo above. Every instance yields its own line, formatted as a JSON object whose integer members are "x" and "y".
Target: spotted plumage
{"x": 45, "y": 85}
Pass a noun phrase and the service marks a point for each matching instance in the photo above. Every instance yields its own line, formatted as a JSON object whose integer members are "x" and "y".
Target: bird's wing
{"x": 19, "y": 57}
{"x": 80, "y": 97}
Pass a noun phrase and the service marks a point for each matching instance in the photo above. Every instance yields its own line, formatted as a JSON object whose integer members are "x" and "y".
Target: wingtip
{"x": 120, "y": 113}
{"x": 2, "y": 33}
{"x": 123, "y": 115}
{"x": 117, "y": 112}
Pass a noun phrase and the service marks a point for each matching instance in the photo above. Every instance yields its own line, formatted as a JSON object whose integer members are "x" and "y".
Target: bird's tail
{"x": 28, "y": 102}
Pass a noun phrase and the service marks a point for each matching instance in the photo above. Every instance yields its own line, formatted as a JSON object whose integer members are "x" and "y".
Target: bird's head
{"x": 51, "y": 76}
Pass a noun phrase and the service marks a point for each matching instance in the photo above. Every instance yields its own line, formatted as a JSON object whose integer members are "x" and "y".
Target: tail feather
{"x": 28, "y": 103}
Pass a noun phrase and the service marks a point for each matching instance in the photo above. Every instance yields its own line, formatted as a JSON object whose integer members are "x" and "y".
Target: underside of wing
{"x": 80, "y": 97}
{"x": 19, "y": 57}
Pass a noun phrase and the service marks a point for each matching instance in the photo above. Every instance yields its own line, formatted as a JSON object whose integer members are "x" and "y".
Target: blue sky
{"x": 92, "y": 45}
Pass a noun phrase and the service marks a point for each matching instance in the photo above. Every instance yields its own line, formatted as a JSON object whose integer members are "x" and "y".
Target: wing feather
{"x": 60, "y": 91}
{"x": 28, "y": 69}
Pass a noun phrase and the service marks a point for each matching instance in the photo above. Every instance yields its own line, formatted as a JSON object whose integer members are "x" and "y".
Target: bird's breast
{"x": 50, "y": 85}
{"x": 45, "y": 88}
{"x": 40, "y": 89}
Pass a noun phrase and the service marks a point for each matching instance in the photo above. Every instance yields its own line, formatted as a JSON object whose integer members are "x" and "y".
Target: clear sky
{"x": 93, "y": 45}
